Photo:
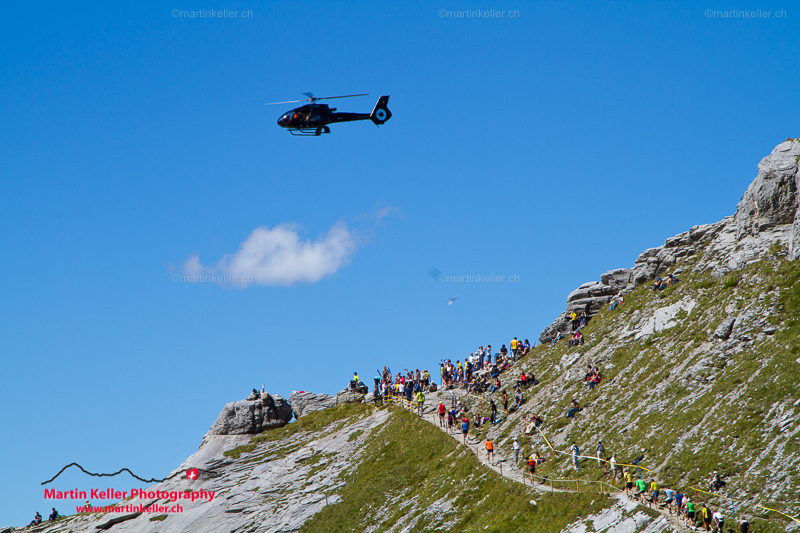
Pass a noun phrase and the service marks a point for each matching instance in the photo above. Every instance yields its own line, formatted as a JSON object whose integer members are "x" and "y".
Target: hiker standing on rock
{"x": 517, "y": 450}
{"x": 489, "y": 451}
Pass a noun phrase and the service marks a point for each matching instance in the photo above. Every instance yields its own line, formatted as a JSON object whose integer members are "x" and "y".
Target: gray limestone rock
{"x": 559, "y": 324}
{"x": 646, "y": 265}
{"x": 277, "y": 412}
{"x": 349, "y": 396}
{"x": 592, "y": 305}
{"x": 772, "y": 198}
{"x": 682, "y": 239}
{"x": 307, "y": 402}
{"x": 591, "y": 290}
{"x": 250, "y": 417}
{"x": 697, "y": 232}
{"x": 617, "y": 279}
{"x": 723, "y": 331}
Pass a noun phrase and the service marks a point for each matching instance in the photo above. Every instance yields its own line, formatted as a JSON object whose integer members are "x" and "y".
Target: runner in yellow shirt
{"x": 628, "y": 482}
{"x": 654, "y": 488}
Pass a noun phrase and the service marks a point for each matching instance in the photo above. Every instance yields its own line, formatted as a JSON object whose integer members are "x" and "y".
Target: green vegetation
{"x": 159, "y": 518}
{"x": 690, "y": 403}
{"x": 413, "y": 460}
{"x": 732, "y": 280}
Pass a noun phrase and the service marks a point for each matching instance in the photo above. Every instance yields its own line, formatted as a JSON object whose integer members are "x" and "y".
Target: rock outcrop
{"x": 772, "y": 199}
{"x": 767, "y": 219}
{"x": 307, "y": 402}
{"x": 247, "y": 417}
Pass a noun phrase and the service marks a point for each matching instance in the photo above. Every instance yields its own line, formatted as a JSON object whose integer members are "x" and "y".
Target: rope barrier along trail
{"x": 410, "y": 405}
{"x": 587, "y": 456}
{"x": 713, "y": 495}
{"x": 407, "y": 404}
{"x": 107, "y": 475}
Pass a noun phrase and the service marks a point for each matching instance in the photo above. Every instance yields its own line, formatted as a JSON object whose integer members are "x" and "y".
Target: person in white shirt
{"x": 517, "y": 450}
{"x": 719, "y": 521}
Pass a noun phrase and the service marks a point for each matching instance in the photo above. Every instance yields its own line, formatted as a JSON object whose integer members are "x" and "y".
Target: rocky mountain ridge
{"x": 767, "y": 216}
{"x": 698, "y": 377}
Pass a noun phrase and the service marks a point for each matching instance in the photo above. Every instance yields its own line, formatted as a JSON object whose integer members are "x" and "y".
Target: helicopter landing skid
{"x": 309, "y": 132}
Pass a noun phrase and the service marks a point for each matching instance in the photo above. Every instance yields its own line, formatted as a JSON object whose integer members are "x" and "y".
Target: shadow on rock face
{"x": 253, "y": 416}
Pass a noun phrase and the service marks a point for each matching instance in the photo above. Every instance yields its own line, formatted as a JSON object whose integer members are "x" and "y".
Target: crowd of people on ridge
{"x": 481, "y": 372}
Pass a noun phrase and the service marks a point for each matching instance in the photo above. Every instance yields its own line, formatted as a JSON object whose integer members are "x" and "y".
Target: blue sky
{"x": 552, "y": 147}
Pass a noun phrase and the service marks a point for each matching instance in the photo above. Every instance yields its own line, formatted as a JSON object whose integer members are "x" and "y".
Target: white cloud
{"x": 277, "y": 256}
{"x": 385, "y": 212}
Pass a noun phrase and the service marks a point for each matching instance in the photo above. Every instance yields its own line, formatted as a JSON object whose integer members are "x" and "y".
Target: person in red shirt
{"x": 531, "y": 466}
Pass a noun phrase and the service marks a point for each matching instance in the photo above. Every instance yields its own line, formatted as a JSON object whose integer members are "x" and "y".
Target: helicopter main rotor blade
{"x": 288, "y": 102}
{"x": 312, "y": 98}
{"x": 345, "y": 96}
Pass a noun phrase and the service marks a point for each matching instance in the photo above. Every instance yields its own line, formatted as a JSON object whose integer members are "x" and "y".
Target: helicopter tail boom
{"x": 381, "y": 112}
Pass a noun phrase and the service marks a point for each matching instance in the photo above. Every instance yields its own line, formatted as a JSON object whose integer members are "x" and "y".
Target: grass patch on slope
{"x": 409, "y": 466}
{"x": 720, "y": 416}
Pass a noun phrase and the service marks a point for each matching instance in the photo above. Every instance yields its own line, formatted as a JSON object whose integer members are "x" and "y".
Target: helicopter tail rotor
{"x": 381, "y": 112}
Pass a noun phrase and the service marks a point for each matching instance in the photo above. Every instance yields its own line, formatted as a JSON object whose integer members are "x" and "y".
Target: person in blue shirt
{"x": 670, "y": 494}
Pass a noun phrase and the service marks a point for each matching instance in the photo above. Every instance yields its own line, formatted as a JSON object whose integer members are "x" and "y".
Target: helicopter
{"x": 311, "y": 120}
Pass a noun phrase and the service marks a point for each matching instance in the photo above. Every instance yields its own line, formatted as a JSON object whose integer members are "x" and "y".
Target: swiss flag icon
{"x": 191, "y": 474}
